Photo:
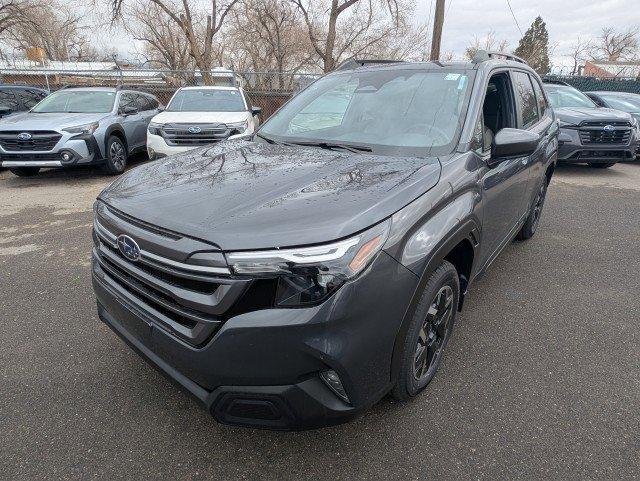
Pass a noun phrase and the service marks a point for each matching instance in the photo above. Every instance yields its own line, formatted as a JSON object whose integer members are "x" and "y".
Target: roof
{"x": 613, "y": 68}
{"x": 209, "y": 87}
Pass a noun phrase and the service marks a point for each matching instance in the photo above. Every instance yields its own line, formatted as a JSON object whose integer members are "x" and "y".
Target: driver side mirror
{"x": 510, "y": 143}
{"x": 128, "y": 110}
{"x": 5, "y": 110}
{"x": 256, "y": 110}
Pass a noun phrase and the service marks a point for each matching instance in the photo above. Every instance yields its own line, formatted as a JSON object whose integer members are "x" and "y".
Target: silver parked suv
{"x": 78, "y": 126}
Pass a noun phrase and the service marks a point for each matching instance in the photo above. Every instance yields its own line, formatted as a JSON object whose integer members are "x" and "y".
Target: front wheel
{"x": 116, "y": 158}
{"x": 428, "y": 332}
{"x": 25, "y": 171}
{"x": 601, "y": 165}
{"x": 533, "y": 219}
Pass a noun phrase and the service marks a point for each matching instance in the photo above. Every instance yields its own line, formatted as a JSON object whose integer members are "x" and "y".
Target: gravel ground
{"x": 541, "y": 378}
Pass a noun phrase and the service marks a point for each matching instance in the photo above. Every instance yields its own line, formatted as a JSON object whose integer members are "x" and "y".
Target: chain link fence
{"x": 267, "y": 90}
{"x": 587, "y": 84}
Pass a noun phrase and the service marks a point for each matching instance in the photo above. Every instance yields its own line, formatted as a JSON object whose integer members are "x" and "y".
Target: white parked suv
{"x": 197, "y": 116}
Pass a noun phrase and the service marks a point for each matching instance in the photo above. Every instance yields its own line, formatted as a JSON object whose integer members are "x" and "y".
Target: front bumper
{"x": 157, "y": 147}
{"x": 572, "y": 151}
{"x": 79, "y": 149}
{"x": 262, "y": 368}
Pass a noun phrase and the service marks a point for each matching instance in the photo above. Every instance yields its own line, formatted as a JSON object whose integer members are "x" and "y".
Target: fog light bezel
{"x": 332, "y": 380}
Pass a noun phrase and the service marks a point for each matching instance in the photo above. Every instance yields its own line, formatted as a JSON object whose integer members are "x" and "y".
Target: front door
{"x": 504, "y": 184}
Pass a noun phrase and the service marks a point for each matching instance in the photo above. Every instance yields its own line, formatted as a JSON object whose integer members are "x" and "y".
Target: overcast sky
{"x": 565, "y": 19}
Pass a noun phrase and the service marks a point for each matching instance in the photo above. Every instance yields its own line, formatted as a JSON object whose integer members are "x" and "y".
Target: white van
{"x": 202, "y": 115}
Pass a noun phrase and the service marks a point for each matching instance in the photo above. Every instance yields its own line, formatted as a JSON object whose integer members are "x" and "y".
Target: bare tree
{"x": 333, "y": 39}
{"x": 270, "y": 35}
{"x": 615, "y": 46}
{"x": 13, "y": 12}
{"x": 489, "y": 42}
{"x": 579, "y": 51}
{"x": 198, "y": 25}
{"x": 55, "y": 28}
{"x": 163, "y": 42}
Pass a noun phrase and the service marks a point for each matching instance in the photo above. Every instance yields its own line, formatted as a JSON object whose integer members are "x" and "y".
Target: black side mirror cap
{"x": 256, "y": 110}
{"x": 509, "y": 143}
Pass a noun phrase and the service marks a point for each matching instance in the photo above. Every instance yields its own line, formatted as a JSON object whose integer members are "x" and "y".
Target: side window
{"x": 7, "y": 99}
{"x": 30, "y": 97}
{"x": 141, "y": 102}
{"x": 127, "y": 100}
{"x": 526, "y": 99}
{"x": 542, "y": 101}
{"x": 152, "y": 103}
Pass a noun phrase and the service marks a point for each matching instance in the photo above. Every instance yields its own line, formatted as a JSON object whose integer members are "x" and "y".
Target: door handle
{"x": 524, "y": 161}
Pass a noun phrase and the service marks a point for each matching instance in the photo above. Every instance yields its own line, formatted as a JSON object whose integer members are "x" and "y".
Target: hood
{"x": 52, "y": 121}
{"x": 577, "y": 115}
{"x": 167, "y": 117}
{"x": 244, "y": 195}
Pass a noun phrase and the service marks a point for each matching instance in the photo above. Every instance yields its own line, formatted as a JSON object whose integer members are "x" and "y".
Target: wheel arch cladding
{"x": 117, "y": 131}
{"x": 452, "y": 235}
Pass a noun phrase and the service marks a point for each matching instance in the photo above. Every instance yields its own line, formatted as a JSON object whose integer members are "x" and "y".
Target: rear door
{"x": 131, "y": 123}
{"x": 547, "y": 129}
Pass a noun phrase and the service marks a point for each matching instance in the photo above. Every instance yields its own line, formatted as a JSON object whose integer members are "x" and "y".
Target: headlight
{"x": 238, "y": 127}
{"x": 308, "y": 275}
{"x": 83, "y": 129}
{"x": 154, "y": 128}
{"x": 562, "y": 123}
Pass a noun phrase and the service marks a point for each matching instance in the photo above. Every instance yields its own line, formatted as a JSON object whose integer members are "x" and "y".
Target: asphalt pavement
{"x": 541, "y": 379}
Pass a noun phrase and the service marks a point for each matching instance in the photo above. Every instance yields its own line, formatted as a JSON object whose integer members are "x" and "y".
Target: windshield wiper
{"x": 267, "y": 139}
{"x": 333, "y": 146}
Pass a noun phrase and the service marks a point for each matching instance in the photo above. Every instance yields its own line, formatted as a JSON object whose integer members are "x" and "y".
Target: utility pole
{"x": 438, "y": 21}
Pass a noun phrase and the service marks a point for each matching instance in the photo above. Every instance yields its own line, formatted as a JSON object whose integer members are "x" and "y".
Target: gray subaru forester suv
{"x": 78, "y": 126}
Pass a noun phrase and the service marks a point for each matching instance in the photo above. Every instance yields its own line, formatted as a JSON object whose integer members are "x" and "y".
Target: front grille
{"x": 29, "y": 157}
{"x": 595, "y": 133}
{"x": 179, "y": 134}
{"x": 40, "y": 141}
{"x": 183, "y": 299}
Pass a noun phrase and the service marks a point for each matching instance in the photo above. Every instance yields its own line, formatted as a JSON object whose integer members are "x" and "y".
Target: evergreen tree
{"x": 534, "y": 47}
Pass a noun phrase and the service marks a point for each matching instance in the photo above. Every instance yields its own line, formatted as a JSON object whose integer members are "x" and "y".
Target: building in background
{"x": 610, "y": 69}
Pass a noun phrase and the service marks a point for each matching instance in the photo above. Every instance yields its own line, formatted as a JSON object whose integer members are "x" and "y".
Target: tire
{"x": 535, "y": 212}
{"x": 598, "y": 165}
{"x": 25, "y": 171}
{"x": 116, "y": 156}
{"x": 431, "y": 325}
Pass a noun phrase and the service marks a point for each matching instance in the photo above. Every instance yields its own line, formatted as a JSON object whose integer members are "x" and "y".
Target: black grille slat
{"x": 29, "y": 157}
{"x": 41, "y": 141}
{"x": 601, "y": 136}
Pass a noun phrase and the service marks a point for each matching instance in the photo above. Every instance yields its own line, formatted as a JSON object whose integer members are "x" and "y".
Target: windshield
{"x": 562, "y": 96}
{"x": 77, "y": 101}
{"x": 622, "y": 103}
{"x": 207, "y": 100}
{"x": 398, "y": 112}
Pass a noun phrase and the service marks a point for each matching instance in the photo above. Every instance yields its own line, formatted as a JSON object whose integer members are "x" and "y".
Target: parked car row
{"x": 595, "y": 132}
{"x": 105, "y": 125}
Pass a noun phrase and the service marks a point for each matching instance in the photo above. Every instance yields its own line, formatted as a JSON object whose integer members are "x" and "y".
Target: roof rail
{"x": 548, "y": 80}
{"x": 484, "y": 55}
{"x": 355, "y": 63}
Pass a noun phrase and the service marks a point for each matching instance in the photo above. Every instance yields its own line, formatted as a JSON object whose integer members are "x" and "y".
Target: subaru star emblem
{"x": 25, "y": 136}
{"x": 608, "y": 128}
{"x": 128, "y": 247}
{"x": 195, "y": 130}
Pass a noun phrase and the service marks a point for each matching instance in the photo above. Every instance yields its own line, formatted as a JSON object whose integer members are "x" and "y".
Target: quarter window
{"x": 526, "y": 99}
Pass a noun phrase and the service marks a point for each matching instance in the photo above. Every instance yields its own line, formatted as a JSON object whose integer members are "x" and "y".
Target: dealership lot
{"x": 541, "y": 378}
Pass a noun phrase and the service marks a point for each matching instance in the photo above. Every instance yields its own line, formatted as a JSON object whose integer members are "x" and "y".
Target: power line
{"x": 514, "y": 18}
